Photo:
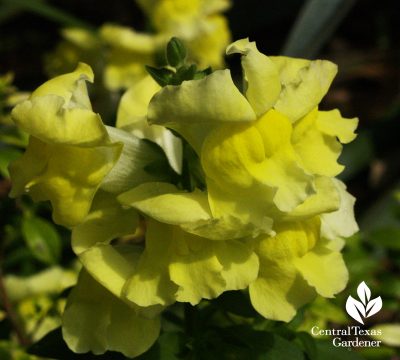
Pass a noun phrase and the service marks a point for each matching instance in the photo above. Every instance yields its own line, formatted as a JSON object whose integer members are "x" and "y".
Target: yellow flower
{"x": 118, "y": 53}
{"x": 174, "y": 265}
{"x": 295, "y": 265}
{"x": 268, "y": 155}
{"x": 69, "y": 151}
{"x": 96, "y": 320}
{"x": 128, "y": 52}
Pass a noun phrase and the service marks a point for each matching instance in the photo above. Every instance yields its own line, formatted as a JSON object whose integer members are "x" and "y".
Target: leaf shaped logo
{"x": 364, "y": 308}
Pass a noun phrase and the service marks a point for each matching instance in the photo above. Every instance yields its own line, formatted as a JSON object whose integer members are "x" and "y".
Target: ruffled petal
{"x": 280, "y": 289}
{"x": 252, "y": 171}
{"x": 70, "y": 87}
{"x": 107, "y": 220}
{"x": 340, "y": 223}
{"x": 195, "y": 269}
{"x": 55, "y": 176}
{"x": 333, "y": 124}
{"x": 318, "y": 152}
{"x": 304, "y": 84}
{"x": 240, "y": 263}
{"x": 151, "y": 284}
{"x": 67, "y": 136}
{"x": 194, "y": 107}
{"x": 59, "y": 111}
{"x": 325, "y": 200}
{"x": 261, "y": 77}
{"x": 323, "y": 269}
{"x": 95, "y": 320}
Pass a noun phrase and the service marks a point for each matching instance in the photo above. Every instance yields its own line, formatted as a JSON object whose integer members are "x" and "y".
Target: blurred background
{"x": 362, "y": 37}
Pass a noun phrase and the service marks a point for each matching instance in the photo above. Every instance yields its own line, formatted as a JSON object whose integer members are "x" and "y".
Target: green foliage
{"x": 175, "y": 52}
{"x": 7, "y": 154}
{"x": 178, "y": 70}
{"x": 42, "y": 239}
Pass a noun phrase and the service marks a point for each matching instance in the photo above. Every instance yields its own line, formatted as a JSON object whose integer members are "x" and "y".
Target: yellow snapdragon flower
{"x": 268, "y": 155}
{"x": 71, "y": 152}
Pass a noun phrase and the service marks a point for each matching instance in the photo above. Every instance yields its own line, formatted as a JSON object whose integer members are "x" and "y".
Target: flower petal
{"x": 318, "y": 152}
{"x": 316, "y": 268}
{"x": 107, "y": 220}
{"x": 69, "y": 191}
{"x": 333, "y": 124}
{"x": 193, "y": 104}
{"x": 190, "y": 211}
{"x": 340, "y": 223}
{"x": 304, "y": 84}
{"x": 240, "y": 263}
{"x": 163, "y": 202}
{"x": 261, "y": 77}
{"x": 130, "y": 170}
{"x": 195, "y": 269}
{"x": 325, "y": 200}
{"x": 151, "y": 284}
{"x": 132, "y": 117}
{"x": 279, "y": 289}
{"x": 135, "y": 101}
{"x": 95, "y": 320}
{"x": 70, "y": 87}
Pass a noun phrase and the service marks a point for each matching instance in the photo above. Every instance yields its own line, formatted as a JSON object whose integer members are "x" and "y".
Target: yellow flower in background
{"x": 128, "y": 52}
{"x": 198, "y": 23}
{"x": 118, "y": 53}
{"x": 78, "y": 45}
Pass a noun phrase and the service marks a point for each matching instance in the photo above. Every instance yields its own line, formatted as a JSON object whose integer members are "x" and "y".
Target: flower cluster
{"x": 119, "y": 53}
{"x": 267, "y": 213}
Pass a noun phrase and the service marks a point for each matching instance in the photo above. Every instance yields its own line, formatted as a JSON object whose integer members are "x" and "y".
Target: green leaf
{"x": 168, "y": 347}
{"x": 326, "y": 350}
{"x": 184, "y": 73}
{"x": 202, "y": 73}
{"x": 243, "y": 342}
{"x": 162, "y": 76}
{"x": 176, "y": 52}
{"x": 47, "y": 11}
{"x": 53, "y": 346}
{"x": 387, "y": 237}
{"x": 316, "y": 22}
{"x": 236, "y": 302}
{"x": 42, "y": 239}
{"x": 7, "y": 154}
{"x": 308, "y": 344}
